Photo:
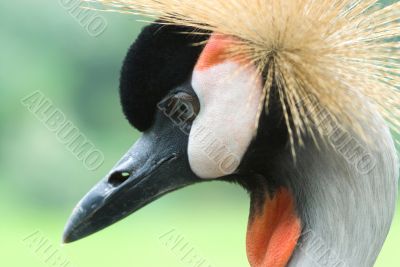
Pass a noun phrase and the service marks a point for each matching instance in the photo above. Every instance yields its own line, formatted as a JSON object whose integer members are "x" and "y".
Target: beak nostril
{"x": 118, "y": 178}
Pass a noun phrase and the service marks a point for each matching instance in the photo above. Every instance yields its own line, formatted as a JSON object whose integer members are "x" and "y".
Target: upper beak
{"x": 155, "y": 165}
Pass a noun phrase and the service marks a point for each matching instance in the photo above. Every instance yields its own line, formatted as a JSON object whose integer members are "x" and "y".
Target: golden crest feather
{"x": 340, "y": 52}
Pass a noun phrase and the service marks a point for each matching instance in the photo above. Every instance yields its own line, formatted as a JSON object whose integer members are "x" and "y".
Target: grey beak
{"x": 155, "y": 165}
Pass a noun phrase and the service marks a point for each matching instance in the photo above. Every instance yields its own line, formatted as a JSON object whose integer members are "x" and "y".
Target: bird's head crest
{"x": 334, "y": 54}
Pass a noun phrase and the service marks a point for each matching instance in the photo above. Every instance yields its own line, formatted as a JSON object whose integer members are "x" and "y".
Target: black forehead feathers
{"x": 162, "y": 58}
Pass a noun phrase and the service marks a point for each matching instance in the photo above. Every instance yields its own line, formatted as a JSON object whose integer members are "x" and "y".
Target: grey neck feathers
{"x": 346, "y": 193}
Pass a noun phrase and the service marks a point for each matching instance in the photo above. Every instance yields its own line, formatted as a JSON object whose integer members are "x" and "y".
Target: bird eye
{"x": 181, "y": 107}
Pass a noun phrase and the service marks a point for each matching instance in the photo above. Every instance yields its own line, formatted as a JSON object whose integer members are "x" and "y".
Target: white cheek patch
{"x": 221, "y": 133}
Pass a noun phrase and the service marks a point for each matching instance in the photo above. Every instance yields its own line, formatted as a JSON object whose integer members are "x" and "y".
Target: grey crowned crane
{"x": 293, "y": 100}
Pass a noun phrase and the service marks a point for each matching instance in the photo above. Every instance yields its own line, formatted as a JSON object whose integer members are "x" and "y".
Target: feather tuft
{"x": 339, "y": 52}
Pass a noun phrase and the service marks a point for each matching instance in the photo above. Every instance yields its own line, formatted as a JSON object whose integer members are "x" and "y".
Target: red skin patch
{"x": 272, "y": 236}
{"x": 214, "y": 52}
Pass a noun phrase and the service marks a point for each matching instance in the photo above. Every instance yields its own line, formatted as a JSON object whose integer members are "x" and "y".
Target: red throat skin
{"x": 273, "y": 233}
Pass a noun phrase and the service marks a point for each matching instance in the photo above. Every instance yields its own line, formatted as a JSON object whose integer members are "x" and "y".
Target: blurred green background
{"x": 45, "y": 47}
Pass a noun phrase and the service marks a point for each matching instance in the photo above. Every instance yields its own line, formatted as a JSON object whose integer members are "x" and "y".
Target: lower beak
{"x": 148, "y": 171}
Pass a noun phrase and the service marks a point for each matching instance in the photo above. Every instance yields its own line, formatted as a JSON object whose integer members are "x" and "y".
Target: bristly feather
{"x": 332, "y": 50}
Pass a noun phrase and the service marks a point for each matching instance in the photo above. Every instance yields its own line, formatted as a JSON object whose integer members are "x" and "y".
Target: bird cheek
{"x": 229, "y": 94}
{"x": 225, "y": 126}
{"x": 210, "y": 158}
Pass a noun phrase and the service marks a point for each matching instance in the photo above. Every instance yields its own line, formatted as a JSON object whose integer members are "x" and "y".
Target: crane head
{"x": 193, "y": 131}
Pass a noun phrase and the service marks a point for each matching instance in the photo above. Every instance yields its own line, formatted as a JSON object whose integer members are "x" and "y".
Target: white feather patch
{"x": 229, "y": 102}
